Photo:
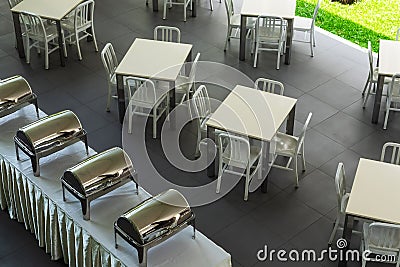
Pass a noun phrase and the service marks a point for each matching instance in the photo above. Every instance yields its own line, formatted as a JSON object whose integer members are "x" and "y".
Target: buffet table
{"x": 59, "y": 226}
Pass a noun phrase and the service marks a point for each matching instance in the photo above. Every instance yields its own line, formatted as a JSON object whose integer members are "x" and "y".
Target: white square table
{"x": 373, "y": 195}
{"x": 253, "y": 8}
{"x": 389, "y": 64}
{"x": 48, "y": 9}
{"x": 157, "y": 60}
{"x": 250, "y": 112}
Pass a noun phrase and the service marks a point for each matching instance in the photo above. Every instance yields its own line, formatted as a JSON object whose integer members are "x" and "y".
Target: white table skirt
{"x": 59, "y": 226}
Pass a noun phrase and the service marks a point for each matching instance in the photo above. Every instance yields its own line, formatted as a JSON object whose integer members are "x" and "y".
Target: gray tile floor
{"x": 329, "y": 85}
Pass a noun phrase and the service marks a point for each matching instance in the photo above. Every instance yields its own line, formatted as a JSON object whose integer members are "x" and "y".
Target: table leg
{"x": 60, "y": 43}
{"x": 187, "y": 65}
{"x": 172, "y": 104}
{"x": 265, "y": 160}
{"x": 289, "y": 39}
{"x": 210, "y": 144}
{"x": 155, "y": 5}
{"x": 378, "y": 99}
{"x": 121, "y": 97}
{"x": 242, "y": 49}
{"x": 194, "y": 8}
{"x": 18, "y": 35}
{"x": 347, "y": 231}
{"x": 290, "y": 121}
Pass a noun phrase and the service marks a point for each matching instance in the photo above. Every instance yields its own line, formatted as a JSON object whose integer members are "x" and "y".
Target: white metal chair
{"x": 269, "y": 86}
{"x": 234, "y": 24}
{"x": 306, "y": 25}
{"x": 39, "y": 36}
{"x": 291, "y": 147}
{"x": 235, "y": 151}
{"x": 395, "y": 156}
{"x": 381, "y": 239}
{"x": 167, "y": 34}
{"x": 270, "y": 32}
{"x": 184, "y": 84}
{"x": 79, "y": 24}
{"x": 393, "y": 98}
{"x": 397, "y": 34}
{"x": 110, "y": 63}
{"x": 145, "y": 96}
{"x": 372, "y": 76}
{"x": 184, "y": 3}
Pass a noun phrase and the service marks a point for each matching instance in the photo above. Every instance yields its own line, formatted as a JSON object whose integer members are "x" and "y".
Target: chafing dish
{"x": 153, "y": 221}
{"x": 98, "y": 175}
{"x": 15, "y": 93}
{"x": 49, "y": 135}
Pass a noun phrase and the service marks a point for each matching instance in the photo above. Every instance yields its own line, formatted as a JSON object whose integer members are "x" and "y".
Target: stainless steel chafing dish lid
{"x": 50, "y": 130}
{"x": 155, "y": 216}
{"x": 12, "y": 90}
{"x": 99, "y": 171}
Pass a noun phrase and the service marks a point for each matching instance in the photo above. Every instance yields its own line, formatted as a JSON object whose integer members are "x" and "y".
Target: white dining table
{"x": 253, "y": 8}
{"x": 158, "y": 60}
{"x": 389, "y": 64}
{"x": 54, "y": 10}
{"x": 253, "y": 113}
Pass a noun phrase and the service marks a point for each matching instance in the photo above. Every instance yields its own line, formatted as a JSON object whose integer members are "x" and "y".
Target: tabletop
{"x": 48, "y": 9}
{"x": 389, "y": 57}
{"x": 282, "y": 8}
{"x": 374, "y": 194}
{"x": 157, "y": 59}
{"x": 251, "y": 112}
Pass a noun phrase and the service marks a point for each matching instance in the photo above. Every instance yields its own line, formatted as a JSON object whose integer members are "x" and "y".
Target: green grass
{"x": 365, "y": 20}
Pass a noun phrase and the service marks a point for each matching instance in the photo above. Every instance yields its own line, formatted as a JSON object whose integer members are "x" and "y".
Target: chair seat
{"x": 269, "y": 35}
{"x": 285, "y": 144}
{"x": 255, "y": 153}
{"x": 146, "y": 99}
{"x": 51, "y": 33}
{"x": 302, "y": 24}
{"x": 182, "y": 84}
{"x": 69, "y": 24}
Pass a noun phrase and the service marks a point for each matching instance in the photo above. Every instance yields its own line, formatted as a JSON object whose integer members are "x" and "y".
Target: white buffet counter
{"x": 59, "y": 226}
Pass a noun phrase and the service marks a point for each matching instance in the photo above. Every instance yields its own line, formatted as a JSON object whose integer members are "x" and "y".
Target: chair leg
{"x": 130, "y": 117}
{"x": 211, "y": 5}
{"x": 94, "y": 39}
{"x": 46, "y": 55}
{"x": 228, "y": 33}
{"x": 311, "y": 43}
{"x": 366, "y": 85}
{"x": 246, "y": 185}
{"x": 278, "y": 60}
{"x": 165, "y": 9}
{"x": 220, "y": 172}
{"x": 368, "y": 93}
{"x": 386, "y": 117}
{"x": 78, "y": 47}
{"x": 155, "y": 122}
{"x": 334, "y": 230}
{"x": 255, "y": 55}
{"x": 108, "y": 98}
{"x": 296, "y": 172}
{"x": 184, "y": 12}
{"x": 313, "y": 31}
{"x": 28, "y": 51}
{"x": 303, "y": 158}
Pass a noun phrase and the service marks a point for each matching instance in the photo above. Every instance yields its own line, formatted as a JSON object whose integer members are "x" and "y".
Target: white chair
{"x": 234, "y": 24}
{"x": 185, "y": 84}
{"x": 79, "y": 24}
{"x": 395, "y": 156}
{"x": 269, "y": 86}
{"x": 270, "y": 32}
{"x": 372, "y": 76}
{"x": 184, "y": 3}
{"x": 167, "y": 34}
{"x": 397, "y": 34}
{"x": 145, "y": 96}
{"x": 235, "y": 151}
{"x": 393, "y": 98}
{"x": 306, "y": 25}
{"x": 110, "y": 63}
{"x": 381, "y": 239}
{"x": 39, "y": 36}
{"x": 291, "y": 147}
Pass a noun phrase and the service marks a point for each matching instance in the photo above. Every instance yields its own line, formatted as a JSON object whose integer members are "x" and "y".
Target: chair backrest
{"x": 382, "y": 238}
{"x": 340, "y": 186}
{"x": 13, "y": 3}
{"x": 109, "y": 59}
{"x": 230, "y": 10}
{"x": 33, "y": 24}
{"x": 303, "y": 132}
{"x": 315, "y": 14}
{"x": 167, "y": 34}
{"x": 234, "y": 148}
{"x": 272, "y": 28}
{"x": 370, "y": 60}
{"x": 269, "y": 86}
{"x": 192, "y": 72}
{"x": 394, "y": 89}
{"x": 398, "y": 34}
{"x": 141, "y": 90}
{"x": 84, "y": 13}
{"x": 395, "y": 156}
{"x": 201, "y": 102}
